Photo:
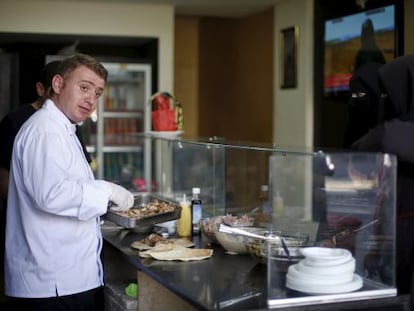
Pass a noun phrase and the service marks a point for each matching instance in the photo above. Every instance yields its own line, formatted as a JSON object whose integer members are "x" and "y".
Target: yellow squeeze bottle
{"x": 184, "y": 223}
{"x": 279, "y": 207}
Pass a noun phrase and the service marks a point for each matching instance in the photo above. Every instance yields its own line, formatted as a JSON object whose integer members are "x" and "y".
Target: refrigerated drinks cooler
{"x": 111, "y": 140}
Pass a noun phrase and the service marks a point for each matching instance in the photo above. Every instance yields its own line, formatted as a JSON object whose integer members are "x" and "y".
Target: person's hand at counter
{"x": 121, "y": 197}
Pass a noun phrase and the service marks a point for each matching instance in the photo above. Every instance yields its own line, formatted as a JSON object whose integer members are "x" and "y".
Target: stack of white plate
{"x": 324, "y": 271}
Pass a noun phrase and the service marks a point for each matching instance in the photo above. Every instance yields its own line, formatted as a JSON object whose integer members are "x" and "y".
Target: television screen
{"x": 346, "y": 36}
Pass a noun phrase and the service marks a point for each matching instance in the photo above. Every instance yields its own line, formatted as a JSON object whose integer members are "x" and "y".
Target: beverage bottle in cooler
{"x": 197, "y": 211}
{"x": 264, "y": 199}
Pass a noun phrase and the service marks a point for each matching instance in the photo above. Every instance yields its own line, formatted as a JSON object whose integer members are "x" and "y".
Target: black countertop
{"x": 222, "y": 282}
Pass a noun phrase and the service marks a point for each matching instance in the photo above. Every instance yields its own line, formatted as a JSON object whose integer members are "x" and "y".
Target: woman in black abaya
{"x": 394, "y": 134}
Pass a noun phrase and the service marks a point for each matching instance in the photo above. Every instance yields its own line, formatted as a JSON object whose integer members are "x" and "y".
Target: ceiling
{"x": 216, "y": 8}
{"x": 209, "y": 8}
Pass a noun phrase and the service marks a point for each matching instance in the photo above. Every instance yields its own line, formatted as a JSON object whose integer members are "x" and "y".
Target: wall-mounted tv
{"x": 343, "y": 39}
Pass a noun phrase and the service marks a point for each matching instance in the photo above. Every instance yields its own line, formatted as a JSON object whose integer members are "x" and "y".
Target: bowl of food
{"x": 284, "y": 249}
{"x": 232, "y": 243}
{"x": 209, "y": 225}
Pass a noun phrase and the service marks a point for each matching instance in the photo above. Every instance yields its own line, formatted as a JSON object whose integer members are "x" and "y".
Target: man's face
{"x": 78, "y": 95}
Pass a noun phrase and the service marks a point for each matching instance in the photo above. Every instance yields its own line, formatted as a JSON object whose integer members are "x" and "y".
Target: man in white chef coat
{"x": 53, "y": 235}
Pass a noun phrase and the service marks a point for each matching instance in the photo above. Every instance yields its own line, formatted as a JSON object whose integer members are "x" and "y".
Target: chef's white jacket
{"x": 53, "y": 236}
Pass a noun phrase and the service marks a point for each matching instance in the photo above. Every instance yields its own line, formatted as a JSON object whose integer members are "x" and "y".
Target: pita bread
{"x": 159, "y": 247}
{"x": 144, "y": 245}
{"x": 140, "y": 246}
{"x": 185, "y": 242}
{"x": 148, "y": 242}
{"x": 144, "y": 254}
{"x": 181, "y": 253}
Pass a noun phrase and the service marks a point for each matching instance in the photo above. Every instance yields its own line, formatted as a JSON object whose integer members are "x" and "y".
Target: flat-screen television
{"x": 343, "y": 39}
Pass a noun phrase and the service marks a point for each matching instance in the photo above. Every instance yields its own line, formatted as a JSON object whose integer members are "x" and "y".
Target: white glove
{"x": 122, "y": 198}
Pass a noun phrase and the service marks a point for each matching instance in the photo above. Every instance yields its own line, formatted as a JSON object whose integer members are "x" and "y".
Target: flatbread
{"x": 148, "y": 242}
{"x": 185, "y": 242}
{"x": 181, "y": 254}
{"x": 145, "y": 245}
{"x": 159, "y": 247}
{"x": 140, "y": 246}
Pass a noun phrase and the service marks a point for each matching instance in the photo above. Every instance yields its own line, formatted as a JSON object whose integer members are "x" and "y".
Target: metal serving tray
{"x": 145, "y": 224}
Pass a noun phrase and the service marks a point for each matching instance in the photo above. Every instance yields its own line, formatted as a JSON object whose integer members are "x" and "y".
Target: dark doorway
{"x": 30, "y": 51}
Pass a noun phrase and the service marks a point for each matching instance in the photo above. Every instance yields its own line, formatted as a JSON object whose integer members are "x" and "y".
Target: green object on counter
{"x": 132, "y": 290}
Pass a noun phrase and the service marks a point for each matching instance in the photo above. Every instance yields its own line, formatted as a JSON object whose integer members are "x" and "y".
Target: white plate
{"x": 323, "y": 254}
{"x": 326, "y": 263}
{"x": 313, "y": 289}
{"x": 346, "y": 267}
{"x": 167, "y": 134}
{"x": 303, "y": 278}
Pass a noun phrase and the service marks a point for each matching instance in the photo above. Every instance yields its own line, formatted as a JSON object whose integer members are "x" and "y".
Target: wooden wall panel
{"x": 186, "y": 71}
{"x": 232, "y": 76}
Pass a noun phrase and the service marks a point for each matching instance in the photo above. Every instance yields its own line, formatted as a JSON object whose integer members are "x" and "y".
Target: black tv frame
{"x": 329, "y": 107}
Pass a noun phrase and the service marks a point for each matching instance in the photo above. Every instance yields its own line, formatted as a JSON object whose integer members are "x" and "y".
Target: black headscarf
{"x": 397, "y": 80}
{"x": 394, "y": 132}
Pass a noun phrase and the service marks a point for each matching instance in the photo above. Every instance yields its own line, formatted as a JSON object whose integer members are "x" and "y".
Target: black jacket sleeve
{"x": 394, "y": 137}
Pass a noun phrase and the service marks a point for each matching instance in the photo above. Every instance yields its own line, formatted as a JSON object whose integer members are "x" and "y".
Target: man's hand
{"x": 122, "y": 198}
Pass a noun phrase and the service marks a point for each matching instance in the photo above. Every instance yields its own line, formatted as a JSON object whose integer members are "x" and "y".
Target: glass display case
{"x": 353, "y": 214}
{"x": 342, "y": 202}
